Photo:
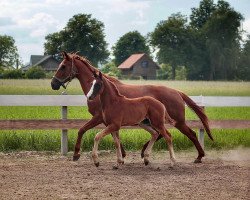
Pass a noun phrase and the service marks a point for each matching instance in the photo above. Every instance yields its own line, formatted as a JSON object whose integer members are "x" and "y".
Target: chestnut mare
{"x": 119, "y": 110}
{"x": 174, "y": 101}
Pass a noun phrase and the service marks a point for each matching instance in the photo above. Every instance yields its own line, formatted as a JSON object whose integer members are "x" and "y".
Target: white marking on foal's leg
{"x": 172, "y": 156}
{"x": 118, "y": 148}
{"x": 91, "y": 89}
{"x": 95, "y": 149}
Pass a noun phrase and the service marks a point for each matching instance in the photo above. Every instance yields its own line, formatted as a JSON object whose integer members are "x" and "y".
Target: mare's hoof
{"x": 142, "y": 154}
{"x": 76, "y": 157}
{"x": 197, "y": 161}
{"x": 171, "y": 167}
{"x": 97, "y": 164}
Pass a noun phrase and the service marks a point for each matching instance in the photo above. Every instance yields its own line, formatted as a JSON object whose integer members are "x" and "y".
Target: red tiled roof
{"x": 130, "y": 61}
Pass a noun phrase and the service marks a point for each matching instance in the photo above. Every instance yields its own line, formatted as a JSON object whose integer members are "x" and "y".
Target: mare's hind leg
{"x": 192, "y": 136}
{"x": 148, "y": 149}
{"x": 164, "y": 132}
{"x": 109, "y": 129}
{"x": 116, "y": 138}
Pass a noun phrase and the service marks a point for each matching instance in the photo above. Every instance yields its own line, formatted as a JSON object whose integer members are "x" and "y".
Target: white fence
{"x": 80, "y": 100}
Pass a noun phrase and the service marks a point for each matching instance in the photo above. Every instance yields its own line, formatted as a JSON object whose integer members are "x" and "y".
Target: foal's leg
{"x": 118, "y": 148}
{"x": 109, "y": 129}
{"x": 148, "y": 149}
{"x": 168, "y": 139}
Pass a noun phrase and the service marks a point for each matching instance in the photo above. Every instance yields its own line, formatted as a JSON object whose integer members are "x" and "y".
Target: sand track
{"x": 41, "y": 175}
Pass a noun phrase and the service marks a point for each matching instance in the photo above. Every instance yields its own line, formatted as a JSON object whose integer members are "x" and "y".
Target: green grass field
{"x": 189, "y": 87}
{"x": 49, "y": 140}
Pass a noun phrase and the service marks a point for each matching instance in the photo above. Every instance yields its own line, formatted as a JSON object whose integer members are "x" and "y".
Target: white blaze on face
{"x": 91, "y": 89}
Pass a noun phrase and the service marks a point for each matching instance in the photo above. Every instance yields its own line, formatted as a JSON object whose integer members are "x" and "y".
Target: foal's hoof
{"x": 146, "y": 162}
{"x": 115, "y": 167}
{"x": 76, "y": 157}
{"x": 97, "y": 164}
{"x": 120, "y": 162}
{"x": 197, "y": 161}
{"x": 124, "y": 154}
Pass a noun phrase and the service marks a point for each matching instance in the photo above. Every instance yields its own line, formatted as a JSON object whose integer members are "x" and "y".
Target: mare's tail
{"x": 199, "y": 111}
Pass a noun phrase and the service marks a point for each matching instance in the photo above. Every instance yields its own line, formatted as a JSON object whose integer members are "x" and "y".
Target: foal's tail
{"x": 199, "y": 111}
{"x": 168, "y": 119}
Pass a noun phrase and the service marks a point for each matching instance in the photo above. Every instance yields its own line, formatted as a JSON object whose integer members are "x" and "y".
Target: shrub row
{"x": 31, "y": 73}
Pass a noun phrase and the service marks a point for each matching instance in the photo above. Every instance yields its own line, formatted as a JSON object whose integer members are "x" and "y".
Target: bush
{"x": 12, "y": 74}
{"x": 164, "y": 73}
{"x": 111, "y": 69}
{"x": 35, "y": 73}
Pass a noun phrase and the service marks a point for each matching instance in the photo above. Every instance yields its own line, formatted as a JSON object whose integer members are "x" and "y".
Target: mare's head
{"x": 96, "y": 87}
{"x": 65, "y": 72}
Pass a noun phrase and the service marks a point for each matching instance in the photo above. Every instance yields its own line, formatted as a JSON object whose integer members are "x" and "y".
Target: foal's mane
{"x": 117, "y": 92}
{"x": 92, "y": 68}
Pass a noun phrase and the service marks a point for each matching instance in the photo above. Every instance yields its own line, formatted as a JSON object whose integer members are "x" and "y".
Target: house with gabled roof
{"x": 139, "y": 65}
{"x": 47, "y": 62}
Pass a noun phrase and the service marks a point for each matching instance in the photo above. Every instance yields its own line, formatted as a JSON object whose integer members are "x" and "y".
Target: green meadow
{"x": 49, "y": 140}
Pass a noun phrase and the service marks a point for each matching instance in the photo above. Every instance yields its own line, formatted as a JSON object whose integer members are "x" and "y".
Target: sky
{"x": 29, "y": 21}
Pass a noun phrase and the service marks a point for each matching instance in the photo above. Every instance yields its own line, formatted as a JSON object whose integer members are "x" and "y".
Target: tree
{"x": 202, "y": 14}
{"x": 216, "y": 39}
{"x": 8, "y": 52}
{"x": 170, "y": 38}
{"x": 223, "y": 36}
{"x": 243, "y": 71}
{"x": 198, "y": 63}
{"x": 130, "y": 43}
{"x": 82, "y": 34}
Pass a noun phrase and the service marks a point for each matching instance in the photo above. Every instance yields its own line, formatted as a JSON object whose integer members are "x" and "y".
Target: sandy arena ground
{"x": 36, "y": 175}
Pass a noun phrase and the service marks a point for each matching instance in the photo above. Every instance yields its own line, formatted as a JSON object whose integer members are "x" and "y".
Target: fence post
{"x": 64, "y": 135}
{"x": 201, "y": 130}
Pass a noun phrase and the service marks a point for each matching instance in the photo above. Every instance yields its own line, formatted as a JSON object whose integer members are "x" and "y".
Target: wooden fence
{"x": 80, "y": 100}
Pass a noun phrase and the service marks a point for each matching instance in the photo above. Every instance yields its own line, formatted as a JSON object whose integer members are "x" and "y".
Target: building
{"x": 47, "y": 62}
{"x": 139, "y": 65}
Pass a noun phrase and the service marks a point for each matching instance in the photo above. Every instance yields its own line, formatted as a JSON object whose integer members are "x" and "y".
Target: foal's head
{"x": 65, "y": 72}
{"x": 96, "y": 87}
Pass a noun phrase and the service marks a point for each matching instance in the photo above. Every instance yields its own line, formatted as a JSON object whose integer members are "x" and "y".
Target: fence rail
{"x": 80, "y": 100}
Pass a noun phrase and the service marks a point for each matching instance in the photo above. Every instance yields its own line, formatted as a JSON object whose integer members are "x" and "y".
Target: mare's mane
{"x": 92, "y": 68}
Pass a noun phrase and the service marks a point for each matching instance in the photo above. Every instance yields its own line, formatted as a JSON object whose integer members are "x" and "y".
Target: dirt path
{"x": 33, "y": 175}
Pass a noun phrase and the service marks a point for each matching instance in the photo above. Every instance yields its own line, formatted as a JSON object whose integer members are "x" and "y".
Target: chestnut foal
{"x": 119, "y": 110}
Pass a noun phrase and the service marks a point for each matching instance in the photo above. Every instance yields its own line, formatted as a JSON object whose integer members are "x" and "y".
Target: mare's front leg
{"x": 96, "y": 120}
{"x": 109, "y": 129}
{"x": 148, "y": 147}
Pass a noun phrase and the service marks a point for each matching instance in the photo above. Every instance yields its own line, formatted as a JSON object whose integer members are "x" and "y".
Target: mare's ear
{"x": 65, "y": 55}
{"x": 100, "y": 75}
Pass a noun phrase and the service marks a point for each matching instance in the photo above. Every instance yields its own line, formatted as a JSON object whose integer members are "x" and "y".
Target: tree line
{"x": 207, "y": 45}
